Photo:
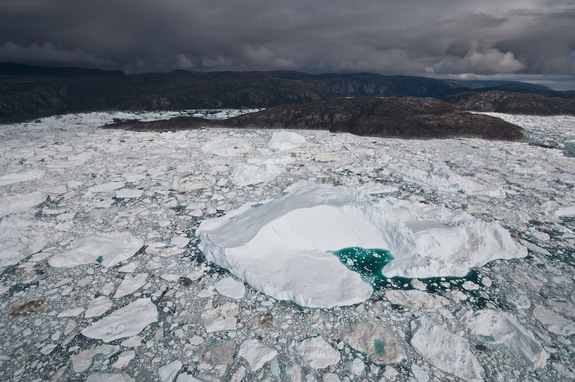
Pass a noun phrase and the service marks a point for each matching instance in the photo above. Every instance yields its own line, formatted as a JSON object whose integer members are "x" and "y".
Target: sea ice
{"x": 83, "y": 360}
{"x": 377, "y": 342}
{"x": 21, "y": 177}
{"x": 285, "y": 141}
{"x": 130, "y": 284}
{"x": 501, "y": 328}
{"x": 19, "y": 203}
{"x": 108, "y": 249}
{"x": 124, "y": 322}
{"x": 20, "y": 238}
{"x": 168, "y": 372}
{"x": 444, "y": 350}
{"x": 256, "y": 353}
{"x": 318, "y": 353}
{"x": 278, "y": 246}
{"x": 221, "y": 318}
{"x": 416, "y": 299}
{"x": 554, "y": 322}
{"x": 230, "y": 288}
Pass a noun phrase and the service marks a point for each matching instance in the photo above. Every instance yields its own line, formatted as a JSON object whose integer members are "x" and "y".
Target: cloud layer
{"x": 440, "y": 37}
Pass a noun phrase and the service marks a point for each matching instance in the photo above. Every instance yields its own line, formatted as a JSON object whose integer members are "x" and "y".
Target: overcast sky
{"x": 425, "y": 37}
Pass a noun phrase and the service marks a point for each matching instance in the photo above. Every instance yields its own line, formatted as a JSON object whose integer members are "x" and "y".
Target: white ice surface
{"x": 445, "y": 350}
{"x": 278, "y": 247}
{"x": 501, "y": 328}
{"x": 286, "y": 141}
{"x": 124, "y": 322}
{"x": 113, "y": 248}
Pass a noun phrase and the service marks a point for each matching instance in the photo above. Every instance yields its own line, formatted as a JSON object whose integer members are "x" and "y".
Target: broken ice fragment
{"x": 318, "y": 353}
{"x": 18, "y": 203}
{"x": 554, "y": 322}
{"x": 502, "y": 328}
{"x": 379, "y": 343}
{"x": 285, "y": 141}
{"x": 124, "y": 322}
{"x": 256, "y": 353}
{"x": 444, "y": 350}
{"x": 130, "y": 284}
{"x": 106, "y": 377}
{"x": 416, "y": 299}
{"x": 113, "y": 247}
{"x": 230, "y": 288}
{"x": 168, "y": 372}
{"x": 83, "y": 360}
{"x": 222, "y": 318}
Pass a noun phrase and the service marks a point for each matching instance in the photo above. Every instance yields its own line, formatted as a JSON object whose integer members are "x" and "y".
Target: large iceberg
{"x": 286, "y": 247}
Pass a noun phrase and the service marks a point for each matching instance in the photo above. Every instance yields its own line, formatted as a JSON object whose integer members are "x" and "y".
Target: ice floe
{"x": 445, "y": 350}
{"x": 107, "y": 249}
{"x": 501, "y": 328}
{"x": 124, "y": 322}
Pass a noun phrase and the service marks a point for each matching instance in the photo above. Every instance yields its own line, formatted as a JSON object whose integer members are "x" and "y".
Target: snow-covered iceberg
{"x": 286, "y": 247}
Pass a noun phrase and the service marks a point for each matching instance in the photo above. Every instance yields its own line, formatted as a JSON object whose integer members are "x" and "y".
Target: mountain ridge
{"x": 29, "y": 92}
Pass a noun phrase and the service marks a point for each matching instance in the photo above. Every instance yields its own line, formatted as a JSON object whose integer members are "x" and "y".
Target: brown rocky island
{"x": 408, "y": 117}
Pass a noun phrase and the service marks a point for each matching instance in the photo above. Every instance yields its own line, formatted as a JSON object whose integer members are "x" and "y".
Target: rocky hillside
{"x": 28, "y": 92}
{"x": 407, "y": 117}
{"x": 548, "y": 103}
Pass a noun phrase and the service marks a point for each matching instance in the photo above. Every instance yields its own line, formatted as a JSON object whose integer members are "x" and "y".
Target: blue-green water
{"x": 369, "y": 262}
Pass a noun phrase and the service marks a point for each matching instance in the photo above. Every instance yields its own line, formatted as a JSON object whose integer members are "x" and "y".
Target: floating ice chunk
{"x": 21, "y": 202}
{"x": 416, "y": 299}
{"x": 124, "y": 359}
{"x": 278, "y": 246}
{"x": 318, "y": 353}
{"x": 83, "y": 360}
{"x": 98, "y": 306}
{"x": 124, "y": 322}
{"x": 20, "y": 238}
{"x": 285, "y": 141}
{"x": 21, "y": 177}
{"x": 379, "y": 343}
{"x": 501, "y": 328}
{"x": 444, "y": 350}
{"x": 246, "y": 174}
{"x": 442, "y": 178}
{"x": 168, "y": 372}
{"x": 130, "y": 284}
{"x": 222, "y": 318}
{"x": 192, "y": 183}
{"x": 108, "y": 249}
{"x": 107, "y": 377}
{"x": 227, "y": 147}
{"x": 126, "y": 193}
{"x": 419, "y": 374}
{"x": 230, "y": 288}
{"x": 554, "y": 322}
{"x": 256, "y": 353}
{"x": 563, "y": 212}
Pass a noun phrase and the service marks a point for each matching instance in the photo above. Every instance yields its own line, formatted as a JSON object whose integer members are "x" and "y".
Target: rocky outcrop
{"x": 382, "y": 117}
{"x": 422, "y": 118}
{"x": 556, "y": 103}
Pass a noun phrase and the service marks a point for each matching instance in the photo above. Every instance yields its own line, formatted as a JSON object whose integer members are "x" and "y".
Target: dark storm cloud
{"x": 437, "y": 37}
